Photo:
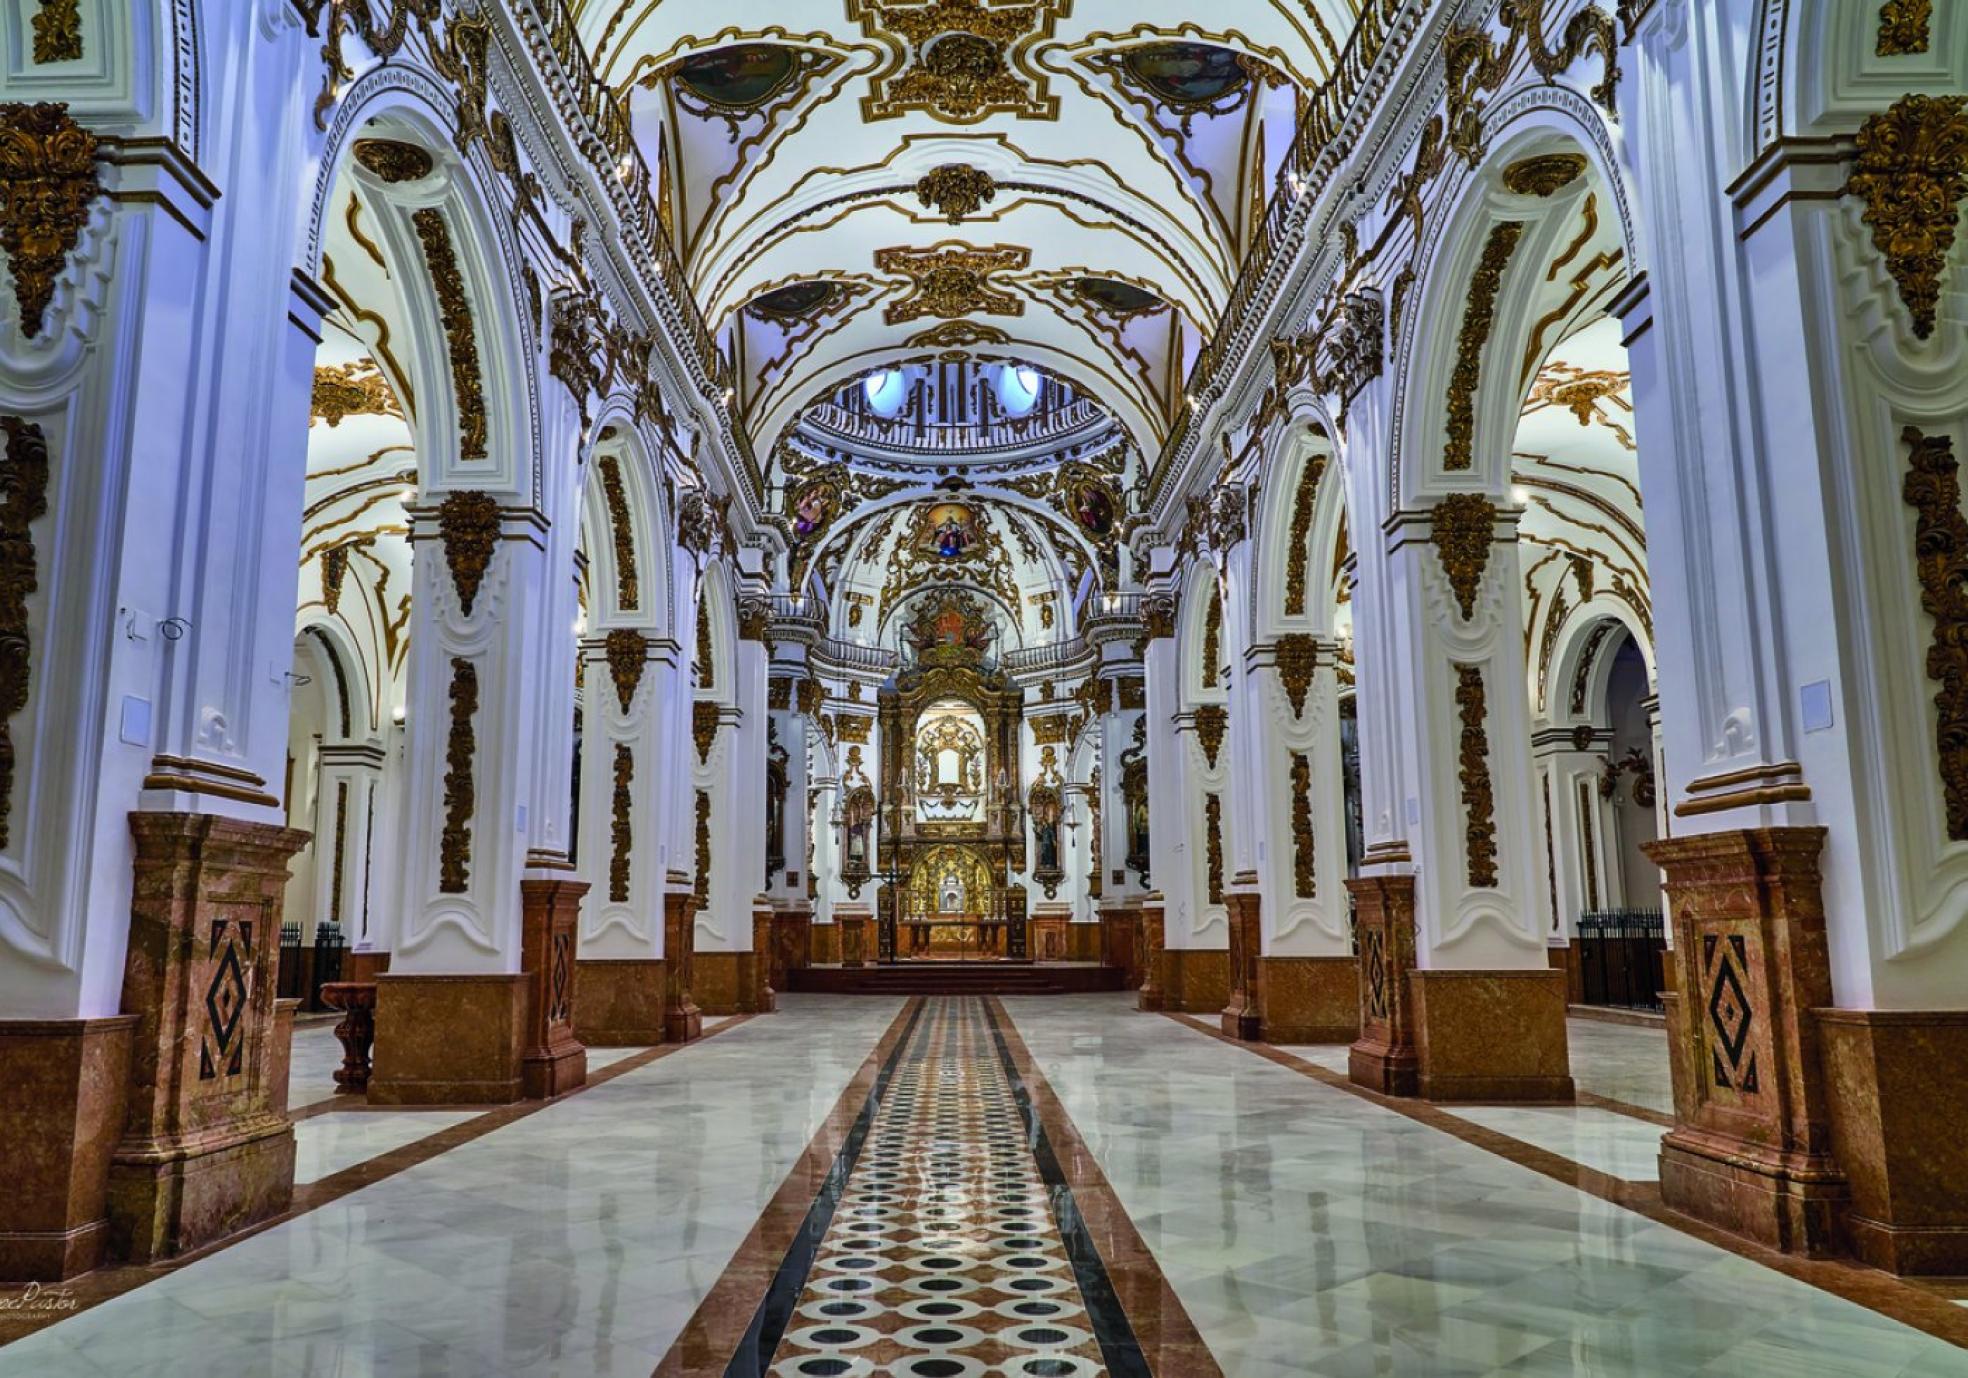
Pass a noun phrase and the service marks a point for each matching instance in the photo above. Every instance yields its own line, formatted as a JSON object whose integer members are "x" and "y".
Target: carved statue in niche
{"x": 857, "y": 823}
{"x": 1134, "y": 800}
{"x": 1044, "y": 807}
{"x": 776, "y": 764}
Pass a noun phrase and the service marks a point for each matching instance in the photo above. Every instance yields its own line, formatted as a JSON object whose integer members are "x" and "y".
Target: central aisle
{"x": 944, "y": 1257}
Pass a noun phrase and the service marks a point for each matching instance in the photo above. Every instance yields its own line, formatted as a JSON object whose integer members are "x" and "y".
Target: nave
{"x": 1025, "y": 1188}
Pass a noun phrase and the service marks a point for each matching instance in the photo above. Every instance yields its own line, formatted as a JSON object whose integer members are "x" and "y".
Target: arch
{"x": 1201, "y": 591}
{"x": 328, "y": 645}
{"x": 467, "y": 253}
{"x": 717, "y": 604}
{"x": 1300, "y": 518}
{"x": 1583, "y": 648}
{"x": 623, "y": 522}
{"x": 1484, "y": 253}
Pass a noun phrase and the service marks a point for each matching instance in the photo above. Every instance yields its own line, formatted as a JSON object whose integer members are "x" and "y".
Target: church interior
{"x": 656, "y": 719}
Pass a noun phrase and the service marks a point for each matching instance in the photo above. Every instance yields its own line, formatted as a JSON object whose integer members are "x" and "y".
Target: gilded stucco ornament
{"x": 1212, "y": 723}
{"x": 1932, "y": 488}
{"x": 628, "y": 656}
{"x": 1544, "y": 175}
{"x": 628, "y": 585}
{"x": 1462, "y": 529}
{"x": 58, "y": 32}
{"x": 394, "y": 161}
{"x": 621, "y": 834}
{"x": 956, "y": 190}
{"x": 1478, "y": 320}
{"x": 1305, "y": 857}
{"x": 24, "y": 487}
{"x": 460, "y": 794}
{"x": 353, "y": 389}
{"x": 1473, "y": 771}
{"x": 1298, "y": 660}
{"x": 952, "y": 281}
{"x": 701, "y": 890}
{"x": 1903, "y": 27}
{"x": 962, "y": 59}
{"x": 468, "y": 526}
{"x": 47, "y": 180}
{"x": 1304, "y": 505}
{"x": 1213, "y": 842}
{"x": 1354, "y": 344}
{"x": 704, "y": 728}
{"x": 461, "y": 335}
{"x": 1912, "y": 173}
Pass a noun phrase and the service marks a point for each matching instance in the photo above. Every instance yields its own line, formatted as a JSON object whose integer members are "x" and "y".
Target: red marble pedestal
{"x": 1120, "y": 933}
{"x": 1751, "y": 1147}
{"x": 64, "y": 1086}
{"x": 552, "y": 1062}
{"x": 1491, "y": 1035}
{"x": 1242, "y": 1015}
{"x": 1150, "y": 994}
{"x": 682, "y": 1020}
{"x": 618, "y": 1002}
{"x": 207, "y": 1149}
{"x": 1385, "y": 1058}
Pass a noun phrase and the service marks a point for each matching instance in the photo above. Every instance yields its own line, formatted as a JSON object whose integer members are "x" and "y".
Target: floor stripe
{"x": 1905, "y": 1302}
{"x": 706, "y": 1346}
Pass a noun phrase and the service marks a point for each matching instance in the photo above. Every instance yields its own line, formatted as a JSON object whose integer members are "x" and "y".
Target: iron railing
{"x": 306, "y": 968}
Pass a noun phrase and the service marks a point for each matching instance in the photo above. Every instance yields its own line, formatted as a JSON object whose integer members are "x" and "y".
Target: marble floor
{"x": 878, "y": 1186}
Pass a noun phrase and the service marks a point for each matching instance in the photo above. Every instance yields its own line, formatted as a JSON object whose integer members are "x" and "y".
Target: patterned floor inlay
{"x": 944, "y": 1258}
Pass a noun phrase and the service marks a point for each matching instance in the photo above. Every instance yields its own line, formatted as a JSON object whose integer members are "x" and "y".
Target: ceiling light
{"x": 1521, "y": 496}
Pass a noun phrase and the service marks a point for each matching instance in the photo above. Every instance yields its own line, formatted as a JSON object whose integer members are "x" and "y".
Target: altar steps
{"x": 957, "y": 978}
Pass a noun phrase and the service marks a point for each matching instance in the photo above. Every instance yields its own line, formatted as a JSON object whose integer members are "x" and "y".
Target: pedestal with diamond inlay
{"x": 1751, "y": 1147}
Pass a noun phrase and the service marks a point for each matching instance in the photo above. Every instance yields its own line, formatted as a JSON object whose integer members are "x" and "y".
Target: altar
{"x": 953, "y": 938}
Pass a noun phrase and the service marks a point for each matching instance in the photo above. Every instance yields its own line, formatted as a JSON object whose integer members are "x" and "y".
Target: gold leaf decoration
{"x": 334, "y": 572}
{"x": 1213, "y": 820}
{"x": 468, "y": 525}
{"x": 949, "y": 281}
{"x": 394, "y": 161}
{"x": 1903, "y": 27}
{"x": 1297, "y": 555}
{"x": 24, "y": 483}
{"x": 47, "y": 180}
{"x": 1305, "y": 861}
{"x": 1478, "y": 320}
{"x": 1212, "y": 722}
{"x": 58, "y": 32}
{"x": 1912, "y": 173}
{"x": 1213, "y": 640}
{"x": 1298, "y": 659}
{"x": 460, "y": 794}
{"x": 704, "y": 728}
{"x": 628, "y": 655}
{"x": 1462, "y": 529}
{"x": 628, "y": 586}
{"x": 963, "y": 59}
{"x": 620, "y": 832}
{"x": 1932, "y": 488}
{"x": 956, "y": 190}
{"x": 355, "y": 389}
{"x": 1478, "y": 801}
{"x": 1544, "y": 175}
{"x": 701, "y": 891}
{"x": 461, "y": 335}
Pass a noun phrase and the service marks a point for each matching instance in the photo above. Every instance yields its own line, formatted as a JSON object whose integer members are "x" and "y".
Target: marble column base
{"x": 1308, "y": 999}
{"x": 1048, "y": 933}
{"x": 727, "y": 982}
{"x": 1898, "y": 1082}
{"x": 1242, "y": 1016}
{"x": 449, "y": 1039}
{"x": 1751, "y": 1147}
{"x": 682, "y": 1020}
{"x": 553, "y": 1062}
{"x": 1120, "y": 932}
{"x": 207, "y": 1149}
{"x": 1565, "y": 957}
{"x": 618, "y": 1002}
{"x": 1197, "y": 979}
{"x": 856, "y": 936}
{"x": 824, "y": 944}
{"x": 1491, "y": 1035}
{"x": 1082, "y": 942}
{"x": 63, "y": 1089}
{"x": 1384, "y": 1058}
{"x": 1153, "y": 955}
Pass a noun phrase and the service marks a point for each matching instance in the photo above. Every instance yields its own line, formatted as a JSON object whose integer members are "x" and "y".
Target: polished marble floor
{"x": 1303, "y": 1229}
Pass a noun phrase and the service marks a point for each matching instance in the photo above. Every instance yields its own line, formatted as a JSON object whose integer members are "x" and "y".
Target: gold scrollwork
{"x": 704, "y": 728}
{"x": 627, "y": 586}
{"x": 24, "y": 482}
{"x": 1912, "y": 173}
{"x": 628, "y": 656}
{"x": 394, "y": 161}
{"x": 1297, "y": 556}
{"x": 701, "y": 890}
{"x": 1473, "y": 770}
{"x": 1462, "y": 528}
{"x": 1305, "y": 858}
{"x": 1212, "y": 722}
{"x": 1545, "y": 175}
{"x": 58, "y": 32}
{"x": 47, "y": 180}
{"x": 1297, "y": 660}
{"x": 963, "y": 58}
{"x": 460, "y": 795}
{"x": 952, "y": 281}
{"x": 620, "y": 832}
{"x": 468, "y": 525}
{"x": 1213, "y": 824}
{"x": 1903, "y": 27}
{"x": 956, "y": 190}
{"x": 461, "y": 335}
{"x": 355, "y": 389}
{"x": 1478, "y": 320}
{"x": 1932, "y": 488}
